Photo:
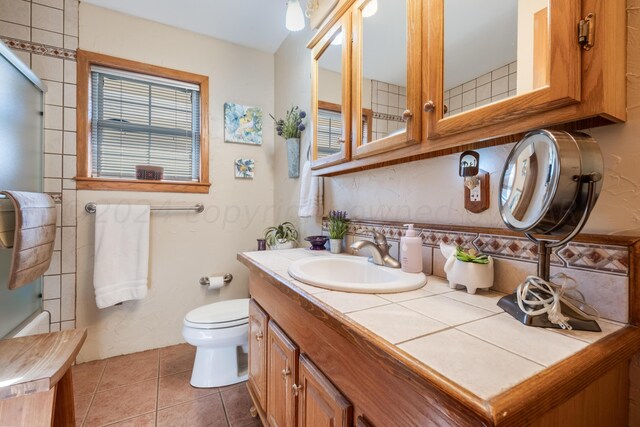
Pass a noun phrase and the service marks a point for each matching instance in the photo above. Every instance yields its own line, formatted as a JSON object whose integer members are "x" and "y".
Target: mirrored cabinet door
{"x": 331, "y": 96}
{"x": 386, "y": 75}
{"x": 496, "y": 60}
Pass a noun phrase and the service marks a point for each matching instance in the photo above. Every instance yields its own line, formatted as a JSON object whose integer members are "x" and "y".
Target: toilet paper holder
{"x": 226, "y": 278}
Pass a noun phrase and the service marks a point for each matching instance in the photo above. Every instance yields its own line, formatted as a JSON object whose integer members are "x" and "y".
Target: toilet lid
{"x": 220, "y": 314}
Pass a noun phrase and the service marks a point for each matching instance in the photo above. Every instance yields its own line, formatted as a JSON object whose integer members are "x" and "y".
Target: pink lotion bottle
{"x": 411, "y": 251}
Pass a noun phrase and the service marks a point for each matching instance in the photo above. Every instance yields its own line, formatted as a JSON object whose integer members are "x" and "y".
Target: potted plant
{"x": 290, "y": 129}
{"x": 467, "y": 268}
{"x": 283, "y": 236}
{"x": 338, "y": 227}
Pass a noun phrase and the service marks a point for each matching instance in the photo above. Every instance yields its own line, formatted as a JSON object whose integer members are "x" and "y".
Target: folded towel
{"x": 121, "y": 261}
{"x": 7, "y": 223}
{"x": 33, "y": 238}
{"x": 311, "y": 193}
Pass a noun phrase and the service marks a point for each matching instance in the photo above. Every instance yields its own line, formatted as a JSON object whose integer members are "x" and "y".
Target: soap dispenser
{"x": 411, "y": 251}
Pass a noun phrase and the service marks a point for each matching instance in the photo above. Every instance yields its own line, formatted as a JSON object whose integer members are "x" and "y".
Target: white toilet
{"x": 219, "y": 331}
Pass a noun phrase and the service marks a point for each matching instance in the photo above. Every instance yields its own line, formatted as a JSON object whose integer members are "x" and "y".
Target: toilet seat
{"x": 219, "y": 315}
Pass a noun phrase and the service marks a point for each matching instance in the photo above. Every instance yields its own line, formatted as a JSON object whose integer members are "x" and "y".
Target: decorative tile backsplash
{"x": 602, "y": 270}
{"x": 583, "y": 256}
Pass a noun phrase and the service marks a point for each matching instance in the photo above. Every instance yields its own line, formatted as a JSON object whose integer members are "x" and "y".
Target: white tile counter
{"x": 466, "y": 338}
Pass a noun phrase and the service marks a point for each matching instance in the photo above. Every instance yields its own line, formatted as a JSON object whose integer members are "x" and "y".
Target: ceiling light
{"x": 370, "y": 9}
{"x": 295, "y": 17}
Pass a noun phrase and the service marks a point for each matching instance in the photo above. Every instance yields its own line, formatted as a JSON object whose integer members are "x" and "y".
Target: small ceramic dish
{"x": 317, "y": 242}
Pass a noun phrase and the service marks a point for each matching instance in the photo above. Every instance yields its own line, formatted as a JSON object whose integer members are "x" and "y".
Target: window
{"x": 330, "y": 127}
{"x": 133, "y": 114}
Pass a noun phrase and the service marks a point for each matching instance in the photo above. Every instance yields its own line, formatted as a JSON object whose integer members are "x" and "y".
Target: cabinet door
{"x": 387, "y": 91}
{"x": 331, "y": 96}
{"x": 320, "y": 404}
{"x": 258, "y": 353}
{"x": 281, "y": 375}
{"x": 491, "y": 62}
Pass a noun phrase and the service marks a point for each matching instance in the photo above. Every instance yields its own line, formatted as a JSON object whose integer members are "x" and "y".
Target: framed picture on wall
{"x": 242, "y": 124}
{"x": 244, "y": 168}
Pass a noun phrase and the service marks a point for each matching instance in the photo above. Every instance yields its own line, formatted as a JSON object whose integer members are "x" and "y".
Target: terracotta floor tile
{"x": 86, "y": 376}
{"x": 146, "y": 420}
{"x": 81, "y": 406}
{"x": 122, "y": 403}
{"x": 177, "y": 358}
{"x": 237, "y": 403}
{"x": 174, "y": 389}
{"x": 255, "y": 422}
{"x": 207, "y": 411}
{"x": 129, "y": 369}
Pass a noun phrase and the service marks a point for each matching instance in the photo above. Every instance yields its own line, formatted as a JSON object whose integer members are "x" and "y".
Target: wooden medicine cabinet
{"x": 477, "y": 74}
{"x": 331, "y": 97}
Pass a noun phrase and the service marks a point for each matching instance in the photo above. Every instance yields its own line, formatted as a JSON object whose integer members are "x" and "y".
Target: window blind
{"x": 143, "y": 120}
{"x": 329, "y": 132}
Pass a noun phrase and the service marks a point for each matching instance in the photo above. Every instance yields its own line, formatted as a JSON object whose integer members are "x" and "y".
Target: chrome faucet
{"x": 379, "y": 250}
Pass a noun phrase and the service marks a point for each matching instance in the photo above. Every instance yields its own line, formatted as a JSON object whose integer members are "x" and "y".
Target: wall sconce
{"x": 476, "y": 182}
{"x": 294, "y": 18}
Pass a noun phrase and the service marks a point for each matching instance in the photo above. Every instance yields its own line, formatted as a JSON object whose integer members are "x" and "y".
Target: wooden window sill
{"x": 85, "y": 183}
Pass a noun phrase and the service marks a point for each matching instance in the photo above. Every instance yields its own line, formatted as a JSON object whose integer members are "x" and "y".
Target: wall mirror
{"x": 331, "y": 96}
{"x": 493, "y": 60}
{"x": 493, "y": 49}
{"x": 386, "y": 85}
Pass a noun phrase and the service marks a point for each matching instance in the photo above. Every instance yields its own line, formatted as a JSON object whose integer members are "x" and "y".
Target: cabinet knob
{"x": 259, "y": 335}
{"x": 429, "y": 106}
{"x": 285, "y": 373}
{"x": 296, "y": 389}
{"x": 406, "y": 115}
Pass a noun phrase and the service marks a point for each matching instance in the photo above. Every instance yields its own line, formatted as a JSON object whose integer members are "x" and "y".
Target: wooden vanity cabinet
{"x": 282, "y": 371}
{"x": 258, "y": 353}
{"x": 287, "y": 389}
{"x": 570, "y": 88}
{"x": 319, "y": 402}
{"x": 356, "y": 378}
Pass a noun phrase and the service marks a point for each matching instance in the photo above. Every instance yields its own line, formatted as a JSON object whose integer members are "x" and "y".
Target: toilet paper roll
{"x": 216, "y": 282}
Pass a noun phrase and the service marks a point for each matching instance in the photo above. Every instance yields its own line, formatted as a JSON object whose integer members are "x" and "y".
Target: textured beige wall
{"x": 184, "y": 246}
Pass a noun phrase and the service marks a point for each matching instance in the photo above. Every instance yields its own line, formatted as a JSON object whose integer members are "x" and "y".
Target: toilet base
{"x": 217, "y": 367}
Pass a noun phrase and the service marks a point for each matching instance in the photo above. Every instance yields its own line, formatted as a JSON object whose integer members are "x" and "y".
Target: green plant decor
{"x": 471, "y": 256}
{"x": 285, "y": 232}
{"x": 338, "y": 224}
{"x": 291, "y": 126}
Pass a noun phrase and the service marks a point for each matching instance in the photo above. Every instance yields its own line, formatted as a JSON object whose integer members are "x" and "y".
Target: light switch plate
{"x": 477, "y": 199}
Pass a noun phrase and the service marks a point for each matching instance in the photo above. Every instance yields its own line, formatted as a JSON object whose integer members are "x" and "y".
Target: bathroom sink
{"x": 354, "y": 274}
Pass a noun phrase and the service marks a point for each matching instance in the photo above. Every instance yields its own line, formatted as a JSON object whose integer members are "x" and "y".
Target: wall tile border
{"x": 39, "y": 49}
{"x": 589, "y": 256}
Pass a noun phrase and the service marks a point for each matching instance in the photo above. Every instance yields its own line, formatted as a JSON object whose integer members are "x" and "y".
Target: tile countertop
{"x": 466, "y": 338}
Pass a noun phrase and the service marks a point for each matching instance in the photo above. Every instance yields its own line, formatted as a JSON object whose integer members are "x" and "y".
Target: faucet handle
{"x": 380, "y": 239}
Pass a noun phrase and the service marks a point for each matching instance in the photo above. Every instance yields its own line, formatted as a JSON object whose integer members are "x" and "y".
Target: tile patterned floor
{"x": 151, "y": 388}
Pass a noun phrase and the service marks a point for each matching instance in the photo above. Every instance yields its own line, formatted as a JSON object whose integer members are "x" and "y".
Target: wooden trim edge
{"x": 84, "y": 183}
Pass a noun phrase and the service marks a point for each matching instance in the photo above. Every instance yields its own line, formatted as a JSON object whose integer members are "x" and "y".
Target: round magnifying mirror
{"x": 543, "y": 186}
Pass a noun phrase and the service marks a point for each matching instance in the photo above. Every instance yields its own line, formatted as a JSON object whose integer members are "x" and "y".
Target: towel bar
{"x": 199, "y": 208}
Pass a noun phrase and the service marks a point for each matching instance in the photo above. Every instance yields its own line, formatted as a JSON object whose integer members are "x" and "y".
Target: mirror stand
{"x": 545, "y": 247}
{"x": 550, "y": 184}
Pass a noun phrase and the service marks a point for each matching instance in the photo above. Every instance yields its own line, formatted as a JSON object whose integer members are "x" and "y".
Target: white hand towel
{"x": 311, "y": 193}
{"x": 121, "y": 253}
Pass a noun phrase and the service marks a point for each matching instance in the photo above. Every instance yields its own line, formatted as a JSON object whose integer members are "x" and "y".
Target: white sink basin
{"x": 354, "y": 274}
